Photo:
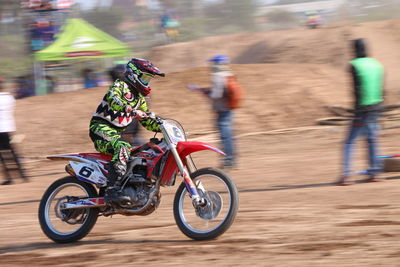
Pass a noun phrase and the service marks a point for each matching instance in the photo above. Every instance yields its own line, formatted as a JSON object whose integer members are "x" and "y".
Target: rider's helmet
{"x": 139, "y": 72}
{"x": 219, "y": 63}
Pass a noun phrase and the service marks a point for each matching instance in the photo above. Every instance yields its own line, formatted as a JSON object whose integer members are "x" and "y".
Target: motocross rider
{"x": 123, "y": 102}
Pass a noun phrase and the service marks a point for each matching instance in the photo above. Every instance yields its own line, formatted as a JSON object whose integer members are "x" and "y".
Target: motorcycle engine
{"x": 138, "y": 188}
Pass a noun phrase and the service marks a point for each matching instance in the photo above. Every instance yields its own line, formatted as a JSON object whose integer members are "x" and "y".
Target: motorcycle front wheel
{"x": 219, "y": 211}
{"x": 66, "y": 225}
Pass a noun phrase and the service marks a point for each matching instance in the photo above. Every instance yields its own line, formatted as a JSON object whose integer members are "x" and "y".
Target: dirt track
{"x": 290, "y": 214}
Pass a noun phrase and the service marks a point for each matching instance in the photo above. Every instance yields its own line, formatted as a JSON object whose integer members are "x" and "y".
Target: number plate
{"x": 89, "y": 173}
{"x": 174, "y": 132}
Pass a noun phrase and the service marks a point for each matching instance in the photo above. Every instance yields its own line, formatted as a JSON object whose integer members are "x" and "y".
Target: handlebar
{"x": 144, "y": 115}
{"x": 153, "y": 116}
{"x": 138, "y": 114}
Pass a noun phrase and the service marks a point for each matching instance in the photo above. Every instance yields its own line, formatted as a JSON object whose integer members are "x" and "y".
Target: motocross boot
{"x": 113, "y": 193}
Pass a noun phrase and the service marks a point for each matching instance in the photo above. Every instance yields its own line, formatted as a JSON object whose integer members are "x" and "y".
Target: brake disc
{"x": 212, "y": 207}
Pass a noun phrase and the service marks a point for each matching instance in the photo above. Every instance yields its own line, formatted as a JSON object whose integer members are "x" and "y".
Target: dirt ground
{"x": 290, "y": 213}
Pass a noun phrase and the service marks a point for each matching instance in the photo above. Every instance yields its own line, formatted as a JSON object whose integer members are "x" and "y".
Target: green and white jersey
{"x": 114, "y": 105}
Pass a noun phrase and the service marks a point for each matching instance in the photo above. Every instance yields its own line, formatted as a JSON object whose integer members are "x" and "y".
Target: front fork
{"x": 190, "y": 186}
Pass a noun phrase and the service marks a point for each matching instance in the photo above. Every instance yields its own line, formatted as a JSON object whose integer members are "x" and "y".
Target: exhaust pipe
{"x": 84, "y": 203}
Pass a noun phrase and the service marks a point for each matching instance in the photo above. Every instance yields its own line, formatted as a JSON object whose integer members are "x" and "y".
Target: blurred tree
{"x": 364, "y": 10}
{"x": 241, "y": 13}
{"x": 14, "y": 55}
{"x": 12, "y": 7}
{"x": 135, "y": 10}
{"x": 288, "y": 2}
{"x": 281, "y": 18}
{"x": 106, "y": 19}
{"x": 169, "y": 3}
{"x": 185, "y": 8}
{"x": 236, "y": 14}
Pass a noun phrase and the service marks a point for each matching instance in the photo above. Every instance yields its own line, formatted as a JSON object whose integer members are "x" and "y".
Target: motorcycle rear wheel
{"x": 222, "y": 202}
{"x": 65, "y": 226}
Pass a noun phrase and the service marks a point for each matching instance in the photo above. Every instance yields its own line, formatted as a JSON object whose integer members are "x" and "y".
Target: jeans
{"x": 224, "y": 123}
{"x": 366, "y": 124}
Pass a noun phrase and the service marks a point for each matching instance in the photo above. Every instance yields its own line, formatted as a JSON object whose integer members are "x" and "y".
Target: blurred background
{"x": 28, "y": 27}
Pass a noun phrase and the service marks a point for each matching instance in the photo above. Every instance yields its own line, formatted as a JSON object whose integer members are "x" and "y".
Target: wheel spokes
{"x": 65, "y": 221}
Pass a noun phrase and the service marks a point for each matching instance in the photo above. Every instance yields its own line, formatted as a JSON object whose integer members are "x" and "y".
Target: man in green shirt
{"x": 367, "y": 75}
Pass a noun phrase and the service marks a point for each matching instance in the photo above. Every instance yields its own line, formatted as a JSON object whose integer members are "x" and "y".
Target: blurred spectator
{"x": 220, "y": 73}
{"x": 25, "y": 86}
{"x": 46, "y": 5}
{"x": 101, "y": 79}
{"x": 38, "y": 4}
{"x": 117, "y": 72}
{"x": 50, "y": 84}
{"x": 8, "y": 158}
{"x": 169, "y": 24}
{"x": 164, "y": 18}
{"x": 313, "y": 19}
{"x": 42, "y": 32}
{"x": 367, "y": 75}
{"x": 89, "y": 78}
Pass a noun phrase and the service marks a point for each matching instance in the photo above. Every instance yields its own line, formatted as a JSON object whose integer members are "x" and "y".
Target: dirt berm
{"x": 277, "y": 96}
{"x": 289, "y": 76}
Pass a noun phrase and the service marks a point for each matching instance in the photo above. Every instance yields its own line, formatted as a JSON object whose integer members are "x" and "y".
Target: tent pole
{"x": 36, "y": 75}
{"x": 39, "y": 73}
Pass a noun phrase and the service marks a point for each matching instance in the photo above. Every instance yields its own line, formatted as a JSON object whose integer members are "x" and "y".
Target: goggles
{"x": 145, "y": 78}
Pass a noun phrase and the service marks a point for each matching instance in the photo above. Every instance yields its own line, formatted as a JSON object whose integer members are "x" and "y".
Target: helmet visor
{"x": 145, "y": 78}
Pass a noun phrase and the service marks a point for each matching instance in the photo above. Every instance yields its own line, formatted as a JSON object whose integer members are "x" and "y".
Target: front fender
{"x": 188, "y": 147}
{"x": 184, "y": 149}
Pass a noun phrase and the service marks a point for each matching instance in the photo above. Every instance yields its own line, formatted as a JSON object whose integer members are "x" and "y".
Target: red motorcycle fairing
{"x": 152, "y": 153}
{"x": 100, "y": 156}
{"x": 183, "y": 148}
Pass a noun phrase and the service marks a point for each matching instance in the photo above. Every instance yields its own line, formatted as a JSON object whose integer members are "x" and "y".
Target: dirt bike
{"x": 205, "y": 203}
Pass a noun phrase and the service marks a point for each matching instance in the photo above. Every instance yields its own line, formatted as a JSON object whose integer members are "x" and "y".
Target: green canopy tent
{"x": 78, "y": 40}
